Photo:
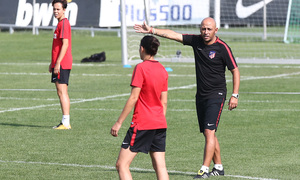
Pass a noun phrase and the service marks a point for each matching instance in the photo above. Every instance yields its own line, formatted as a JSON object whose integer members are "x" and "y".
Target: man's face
{"x": 208, "y": 30}
{"x": 58, "y": 11}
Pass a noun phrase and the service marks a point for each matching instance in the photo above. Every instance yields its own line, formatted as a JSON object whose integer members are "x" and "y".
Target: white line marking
{"x": 32, "y": 74}
{"x": 120, "y": 95}
{"x": 119, "y": 110}
{"x": 131, "y": 168}
{"x": 245, "y": 66}
{"x": 270, "y": 110}
{"x": 99, "y": 75}
{"x": 35, "y": 99}
{"x": 271, "y": 77}
{"x": 27, "y": 90}
{"x": 89, "y": 75}
{"x": 170, "y": 75}
{"x": 47, "y": 64}
{"x": 267, "y": 101}
{"x": 274, "y": 66}
{"x": 86, "y": 100}
{"x": 170, "y": 100}
{"x": 57, "y": 104}
{"x": 191, "y": 65}
{"x": 27, "y": 99}
{"x": 127, "y": 94}
{"x": 72, "y": 74}
{"x": 182, "y": 87}
{"x": 285, "y": 93}
{"x": 176, "y": 110}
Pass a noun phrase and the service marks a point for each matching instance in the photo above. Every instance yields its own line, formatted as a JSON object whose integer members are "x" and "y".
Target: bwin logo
{"x": 43, "y": 14}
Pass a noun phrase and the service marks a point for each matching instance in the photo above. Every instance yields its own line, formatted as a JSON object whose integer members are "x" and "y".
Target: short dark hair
{"x": 150, "y": 44}
{"x": 63, "y": 2}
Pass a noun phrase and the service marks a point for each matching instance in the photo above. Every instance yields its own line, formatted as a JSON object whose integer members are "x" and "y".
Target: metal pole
{"x": 124, "y": 34}
{"x": 147, "y": 11}
{"x": 287, "y": 22}
{"x": 265, "y": 20}
{"x": 217, "y": 14}
{"x": 33, "y": 17}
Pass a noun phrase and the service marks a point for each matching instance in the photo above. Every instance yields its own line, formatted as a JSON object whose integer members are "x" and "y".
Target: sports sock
{"x": 66, "y": 120}
{"x": 219, "y": 167}
{"x": 205, "y": 169}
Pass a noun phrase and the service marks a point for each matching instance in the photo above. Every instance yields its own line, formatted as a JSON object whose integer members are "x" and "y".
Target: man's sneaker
{"x": 62, "y": 127}
{"x": 216, "y": 172}
{"x": 201, "y": 175}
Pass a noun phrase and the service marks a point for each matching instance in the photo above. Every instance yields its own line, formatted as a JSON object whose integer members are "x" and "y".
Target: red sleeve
{"x": 165, "y": 87}
{"x": 137, "y": 77}
{"x": 65, "y": 30}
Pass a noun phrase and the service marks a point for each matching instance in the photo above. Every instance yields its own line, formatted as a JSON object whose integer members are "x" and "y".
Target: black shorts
{"x": 209, "y": 112}
{"x": 62, "y": 77}
{"x": 145, "y": 140}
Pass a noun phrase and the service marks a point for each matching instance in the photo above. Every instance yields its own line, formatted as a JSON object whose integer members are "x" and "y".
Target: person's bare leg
{"x": 124, "y": 160}
{"x": 210, "y": 146}
{"x": 62, "y": 92}
{"x": 159, "y": 165}
{"x": 217, "y": 154}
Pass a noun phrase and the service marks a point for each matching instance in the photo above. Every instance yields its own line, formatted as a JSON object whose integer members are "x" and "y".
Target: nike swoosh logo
{"x": 246, "y": 11}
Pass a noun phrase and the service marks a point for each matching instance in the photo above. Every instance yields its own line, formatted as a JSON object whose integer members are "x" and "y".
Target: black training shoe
{"x": 201, "y": 175}
{"x": 216, "y": 172}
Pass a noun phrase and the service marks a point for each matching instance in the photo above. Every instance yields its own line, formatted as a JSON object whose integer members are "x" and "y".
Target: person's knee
{"x": 159, "y": 165}
{"x": 59, "y": 93}
{"x": 117, "y": 166}
{"x": 120, "y": 166}
{"x": 62, "y": 93}
{"x": 154, "y": 166}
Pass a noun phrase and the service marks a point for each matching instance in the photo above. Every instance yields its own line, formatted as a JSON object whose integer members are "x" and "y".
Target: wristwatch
{"x": 235, "y": 95}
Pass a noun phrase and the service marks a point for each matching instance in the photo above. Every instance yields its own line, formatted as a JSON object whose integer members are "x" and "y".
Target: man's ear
{"x": 142, "y": 48}
{"x": 216, "y": 30}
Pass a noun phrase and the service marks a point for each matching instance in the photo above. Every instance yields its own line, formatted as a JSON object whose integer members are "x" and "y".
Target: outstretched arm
{"x": 165, "y": 33}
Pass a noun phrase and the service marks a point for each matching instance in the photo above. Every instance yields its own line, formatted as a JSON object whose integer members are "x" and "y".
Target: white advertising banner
{"x": 162, "y": 12}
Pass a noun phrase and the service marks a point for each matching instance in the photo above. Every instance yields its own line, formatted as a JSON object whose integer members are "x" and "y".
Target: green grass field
{"x": 259, "y": 139}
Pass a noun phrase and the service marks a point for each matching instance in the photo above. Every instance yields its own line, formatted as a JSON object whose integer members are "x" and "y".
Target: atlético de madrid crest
{"x": 212, "y": 54}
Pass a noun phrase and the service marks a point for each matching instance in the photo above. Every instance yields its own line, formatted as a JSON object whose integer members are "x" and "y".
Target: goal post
{"x": 254, "y": 30}
{"x": 292, "y": 27}
{"x": 124, "y": 34}
{"x": 178, "y": 15}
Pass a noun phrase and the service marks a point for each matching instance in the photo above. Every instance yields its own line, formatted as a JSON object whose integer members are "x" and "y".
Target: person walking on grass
{"x": 212, "y": 56}
{"x": 61, "y": 63}
{"x": 147, "y": 132}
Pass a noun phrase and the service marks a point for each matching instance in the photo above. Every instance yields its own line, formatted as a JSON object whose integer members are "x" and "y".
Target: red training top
{"x": 152, "y": 78}
{"x": 62, "y": 31}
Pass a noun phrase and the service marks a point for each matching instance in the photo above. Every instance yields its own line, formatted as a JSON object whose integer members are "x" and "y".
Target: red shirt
{"x": 152, "y": 78}
{"x": 62, "y": 31}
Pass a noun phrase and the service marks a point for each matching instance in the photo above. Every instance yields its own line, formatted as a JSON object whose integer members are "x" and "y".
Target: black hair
{"x": 63, "y": 2}
{"x": 150, "y": 44}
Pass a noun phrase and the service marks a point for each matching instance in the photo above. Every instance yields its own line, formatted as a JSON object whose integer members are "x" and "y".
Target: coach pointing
{"x": 212, "y": 56}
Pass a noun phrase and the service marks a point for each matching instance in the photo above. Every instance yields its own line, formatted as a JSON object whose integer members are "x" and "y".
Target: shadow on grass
{"x": 23, "y": 125}
{"x": 177, "y": 174}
